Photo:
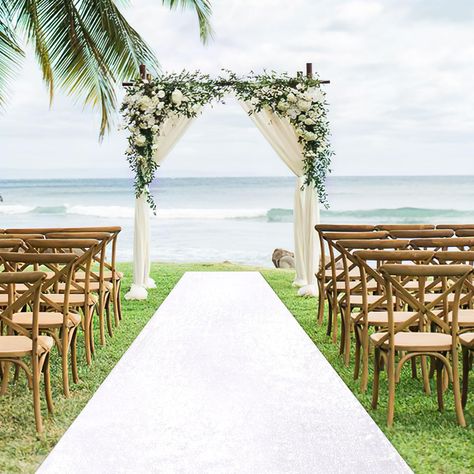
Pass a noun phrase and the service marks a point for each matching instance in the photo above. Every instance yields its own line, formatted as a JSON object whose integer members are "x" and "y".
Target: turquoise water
{"x": 236, "y": 219}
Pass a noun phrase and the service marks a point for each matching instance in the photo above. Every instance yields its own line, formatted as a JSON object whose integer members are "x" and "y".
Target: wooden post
{"x": 309, "y": 70}
{"x": 142, "y": 69}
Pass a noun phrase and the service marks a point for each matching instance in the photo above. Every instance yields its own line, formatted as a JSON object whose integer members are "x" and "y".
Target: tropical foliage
{"x": 84, "y": 47}
{"x": 149, "y": 104}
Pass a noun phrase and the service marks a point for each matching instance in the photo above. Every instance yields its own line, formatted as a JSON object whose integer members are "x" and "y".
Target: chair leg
{"x": 465, "y": 374}
{"x": 375, "y": 386}
{"x": 5, "y": 377}
{"x": 457, "y": 390}
{"x": 365, "y": 359}
{"x": 108, "y": 316}
{"x": 391, "y": 387}
{"x": 119, "y": 300}
{"x": 426, "y": 376}
{"x": 347, "y": 336}
{"x": 75, "y": 376}
{"x": 321, "y": 301}
{"x": 36, "y": 396}
{"x": 47, "y": 385}
{"x": 439, "y": 366}
{"x": 357, "y": 353}
{"x": 414, "y": 374}
{"x": 100, "y": 312}
{"x": 87, "y": 334}
{"x": 64, "y": 364}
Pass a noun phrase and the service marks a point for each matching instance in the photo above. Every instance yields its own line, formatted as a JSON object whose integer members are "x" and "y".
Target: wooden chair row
{"x": 74, "y": 281}
{"x": 348, "y": 283}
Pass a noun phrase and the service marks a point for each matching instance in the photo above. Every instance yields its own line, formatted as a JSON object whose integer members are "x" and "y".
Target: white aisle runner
{"x": 223, "y": 380}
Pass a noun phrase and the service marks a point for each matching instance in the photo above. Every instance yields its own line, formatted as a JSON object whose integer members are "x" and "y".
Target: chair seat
{"x": 20, "y": 346}
{"x": 46, "y": 319}
{"x": 75, "y": 299}
{"x": 465, "y": 318}
{"x": 430, "y": 297}
{"x": 380, "y": 318}
{"x": 107, "y": 275}
{"x": 467, "y": 339}
{"x": 93, "y": 286}
{"x": 356, "y": 300}
{"x": 417, "y": 341}
{"x": 341, "y": 285}
{"x": 354, "y": 273}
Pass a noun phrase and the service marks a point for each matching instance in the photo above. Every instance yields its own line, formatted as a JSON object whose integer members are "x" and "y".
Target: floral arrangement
{"x": 148, "y": 104}
{"x": 303, "y": 102}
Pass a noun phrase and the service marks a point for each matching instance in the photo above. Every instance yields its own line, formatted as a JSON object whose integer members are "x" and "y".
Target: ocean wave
{"x": 382, "y": 215}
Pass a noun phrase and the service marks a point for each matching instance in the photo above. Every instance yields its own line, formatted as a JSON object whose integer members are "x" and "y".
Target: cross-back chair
{"x": 438, "y": 345}
{"x": 325, "y": 272}
{"x": 80, "y": 297}
{"x": 373, "y": 312}
{"x": 55, "y": 319}
{"x": 338, "y": 272}
{"x": 98, "y": 284}
{"x": 20, "y": 345}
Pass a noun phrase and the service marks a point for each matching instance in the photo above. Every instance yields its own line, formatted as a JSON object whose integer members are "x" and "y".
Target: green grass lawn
{"x": 430, "y": 441}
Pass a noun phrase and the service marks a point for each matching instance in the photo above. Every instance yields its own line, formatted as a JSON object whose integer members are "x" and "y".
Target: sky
{"x": 401, "y": 94}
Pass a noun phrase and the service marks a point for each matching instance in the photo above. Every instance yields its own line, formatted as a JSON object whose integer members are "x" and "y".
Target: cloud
{"x": 400, "y": 94}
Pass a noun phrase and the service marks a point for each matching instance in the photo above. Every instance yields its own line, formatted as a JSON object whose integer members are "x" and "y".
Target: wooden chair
{"x": 82, "y": 297}
{"x": 20, "y": 344}
{"x": 397, "y": 339}
{"x": 104, "y": 289}
{"x": 373, "y": 313}
{"x": 55, "y": 320}
{"x": 111, "y": 273}
{"x": 338, "y": 274}
{"x": 325, "y": 273}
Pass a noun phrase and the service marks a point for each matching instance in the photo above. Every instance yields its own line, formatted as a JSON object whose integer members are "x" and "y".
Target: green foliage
{"x": 85, "y": 47}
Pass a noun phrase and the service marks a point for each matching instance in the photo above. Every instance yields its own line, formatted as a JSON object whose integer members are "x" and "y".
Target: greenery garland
{"x": 148, "y": 104}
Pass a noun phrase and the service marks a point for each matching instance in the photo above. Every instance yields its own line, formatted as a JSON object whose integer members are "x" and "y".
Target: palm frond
{"x": 11, "y": 53}
{"x": 203, "y": 12}
{"x": 86, "y": 46}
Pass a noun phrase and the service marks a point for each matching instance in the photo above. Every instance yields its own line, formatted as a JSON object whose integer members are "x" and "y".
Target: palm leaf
{"x": 203, "y": 12}
{"x": 10, "y": 52}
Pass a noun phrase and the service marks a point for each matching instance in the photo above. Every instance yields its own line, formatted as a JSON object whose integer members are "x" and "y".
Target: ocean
{"x": 235, "y": 219}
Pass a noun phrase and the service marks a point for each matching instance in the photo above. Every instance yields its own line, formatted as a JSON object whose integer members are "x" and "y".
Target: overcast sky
{"x": 401, "y": 94}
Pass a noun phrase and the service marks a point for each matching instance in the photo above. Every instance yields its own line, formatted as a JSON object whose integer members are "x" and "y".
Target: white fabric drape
{"x": 281, "y": 135}
{"x": 170, "y": 132}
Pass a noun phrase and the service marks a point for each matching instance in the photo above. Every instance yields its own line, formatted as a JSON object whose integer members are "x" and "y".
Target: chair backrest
{"x": 465, "y": 232}
{"x": 461, "y": 243}
{"x": 455, "y": 226}
{"x": 404, "y": 226}
{"x": 10, "y": 245}
{"x": 85, "y": 249}
{"x": 421, "y": 233}
{"x": 29, "y": 297}
{"x": 60, "y": 265}
{"x": 453, "y": 277}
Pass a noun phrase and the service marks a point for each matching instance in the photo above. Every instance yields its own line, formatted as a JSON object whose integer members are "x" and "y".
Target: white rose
{"x": 283, "y": 105}
{"x": 177, "y": 97}
{"x": 140, "y": 140}
{"x": 302, "y": 118}
{"x": 309, "y": 121}
{"x": 293, "y": 113}
{"x": 318, "y": 95}
{"x": 145, "y": 103}
{"x": 155, "y": 128}
{"x": 304, "y": 105}
{"x": 128, "y": 151}
{"x": 161, "y": 93}
{"x": 291, "y": 98}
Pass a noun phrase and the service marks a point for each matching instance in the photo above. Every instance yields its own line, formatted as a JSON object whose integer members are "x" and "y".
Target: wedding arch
{"x": 290, "y": 112}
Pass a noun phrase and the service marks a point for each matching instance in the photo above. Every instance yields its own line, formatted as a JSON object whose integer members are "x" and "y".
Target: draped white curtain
{"x": 170, "y": 133}
{"x": 282, "y": 137}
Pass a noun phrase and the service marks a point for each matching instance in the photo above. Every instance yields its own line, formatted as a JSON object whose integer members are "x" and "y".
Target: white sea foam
{"x": 15, "y": 209}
